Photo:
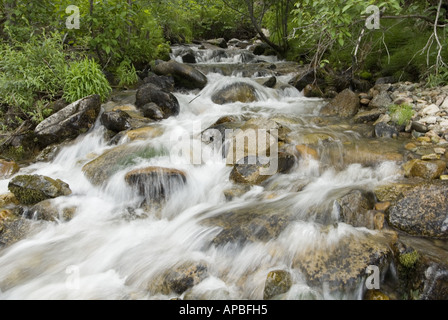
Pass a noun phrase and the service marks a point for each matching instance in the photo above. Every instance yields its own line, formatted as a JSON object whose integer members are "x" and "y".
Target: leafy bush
{"x": 127, "y": 74}
{"x": 84, "y": 78}
{"x": 439, "y": 79}
{"x": 30, "y": 70}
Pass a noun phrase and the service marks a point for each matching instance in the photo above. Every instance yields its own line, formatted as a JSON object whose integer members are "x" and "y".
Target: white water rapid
{"x": 114, "y": 249}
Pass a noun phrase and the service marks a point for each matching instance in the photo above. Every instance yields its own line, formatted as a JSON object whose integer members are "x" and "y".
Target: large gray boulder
{"x": 184, "y": 75}
{"x": 75, "y": 119}
{"x": 235, "y": 92}
{"x": 155, "y": 103}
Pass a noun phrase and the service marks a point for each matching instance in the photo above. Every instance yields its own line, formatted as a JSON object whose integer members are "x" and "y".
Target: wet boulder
{"x": 184, "y": 75}
{"x": 255, "y": 170}
{"x": 75, "y": 119}
{"x": 219, "y": 42}
{"x": 179, "y": 278}
{"x": 31, "y": 189}
{"x": 48, "y": 210}
{"x": 251, "y": 223}
{"x": 13, "y": 228}
{"x": 422, "y": 211}
{"x": 277, "y": 282}
{"x": 165, "y": 83}
{"x": 156, "y": 183}
{"x": 116, "y": 121}
{"x": 341, "y": 265}
{"x": 149, "y": 95}
{"x": 235, "y": 92}
{"x": 188, "y": 57}
{"x": 103, "y": 167}
{"x": 384, "y": 130}
{"x": 270, "y": 82}
{"x": 355, "y": 208}
{"x": 369, "y": 115}
{"x": 427, "y": 169}
{"x": 344, "y": 105}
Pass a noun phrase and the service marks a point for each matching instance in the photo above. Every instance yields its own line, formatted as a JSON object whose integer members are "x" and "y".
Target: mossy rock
{"x": 31, "y": 189}
{"x": 277, "y": 282}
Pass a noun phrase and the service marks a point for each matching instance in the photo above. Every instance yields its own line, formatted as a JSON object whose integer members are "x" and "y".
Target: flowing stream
{"x": 114, "y": 249}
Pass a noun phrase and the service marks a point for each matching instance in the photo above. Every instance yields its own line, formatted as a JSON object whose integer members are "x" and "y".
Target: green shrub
{"x": 439, "y": 79}
{"x": 84, "y": 78}
{"x": 127, "y": 74}
{"x": 31, "y": 70}
{"x": 401, "y": 114}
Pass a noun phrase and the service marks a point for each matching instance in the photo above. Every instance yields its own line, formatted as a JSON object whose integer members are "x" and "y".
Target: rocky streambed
{"x": 152, "y": 195}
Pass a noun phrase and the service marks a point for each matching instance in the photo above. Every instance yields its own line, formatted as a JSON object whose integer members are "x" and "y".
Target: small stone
{"x": 431, "y": 156}
{"x": 410, "y": 146}
{"x": 429, "y": 120}
{"x": 419, "y": 127}
{"x": 378, "y": 221}
{"x": 375, "y": 295}
{"x": 424, "y": 139}
{"x": 445, "y": 104}
{"x": 277, "y": 282}
{"x": 364, "y": 101}
{"x": 444, "y": 177}
{"x": 382, "y": 206}
{"x": 432, "y": 109}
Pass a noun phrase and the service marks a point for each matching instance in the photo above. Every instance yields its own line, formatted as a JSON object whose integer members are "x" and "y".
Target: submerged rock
{"x": 113, "y": 160}
{"x": 345, "y": 104}
{"x": 68, "y": 123}
{"x": 31, "y": 189}
{"x": 13, "y": 228}
{"x": 156, "y": 183}
{"x": 251, "y": 223}
{"x": 48, "y": 211}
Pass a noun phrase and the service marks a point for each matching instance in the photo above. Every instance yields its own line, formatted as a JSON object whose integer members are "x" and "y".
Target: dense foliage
{"x": 41, "y": 59}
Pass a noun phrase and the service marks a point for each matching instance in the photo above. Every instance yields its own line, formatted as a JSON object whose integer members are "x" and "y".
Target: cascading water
{"x": 113, "y": 248}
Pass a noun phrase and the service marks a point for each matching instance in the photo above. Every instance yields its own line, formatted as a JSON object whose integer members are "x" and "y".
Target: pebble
{"x": 432, "y": 109}
{"x": 431, "y": 156}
